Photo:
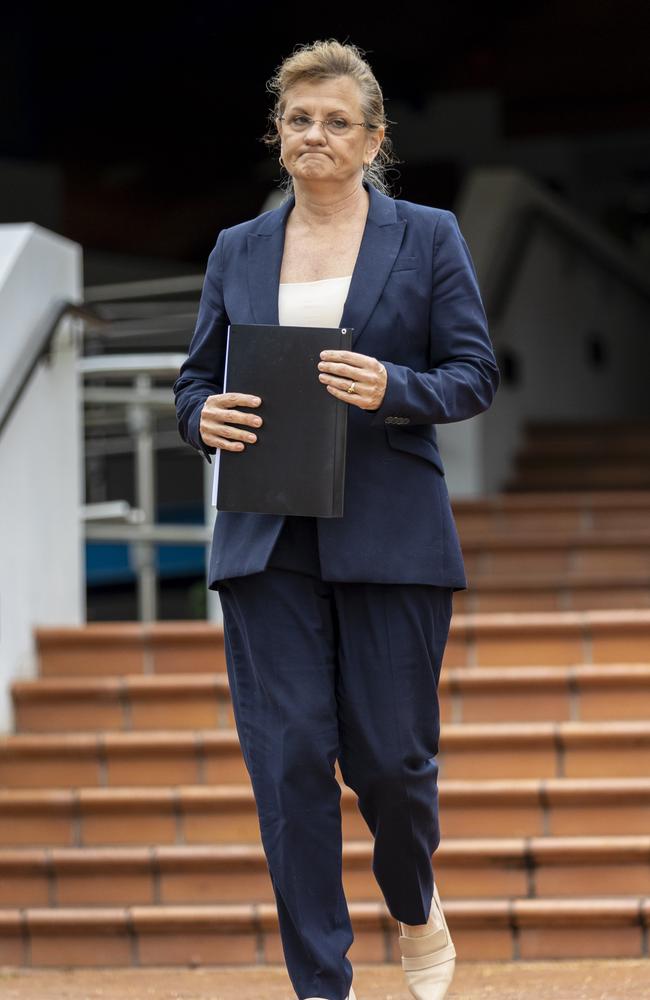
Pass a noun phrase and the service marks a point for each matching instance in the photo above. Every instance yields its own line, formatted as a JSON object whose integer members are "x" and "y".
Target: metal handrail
{"x": 106, "y": 365}
{"x": 169, "y": 534}
{"x": 505, "y": 270}
{"x": 145, "y": 287}
{"x": 136, "y": 526}
{"x": 37, "y": 345}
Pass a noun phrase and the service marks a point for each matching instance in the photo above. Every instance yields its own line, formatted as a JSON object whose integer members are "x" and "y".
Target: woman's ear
{"x": 379, "y": 137}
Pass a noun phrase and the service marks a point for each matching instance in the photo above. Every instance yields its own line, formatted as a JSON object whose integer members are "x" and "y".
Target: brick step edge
{"x": 233, "y": 917}
{"x": 226, "y": 741}
{"x": 146, "y": 936}
{"x": 457, "y": 852}
{"x": 601, "y": 675}
{"x": 98, "y": 634}
{"x": 559, "y": 500}
{"x": 496, "y": 621}
{"x": 139, "y": 798}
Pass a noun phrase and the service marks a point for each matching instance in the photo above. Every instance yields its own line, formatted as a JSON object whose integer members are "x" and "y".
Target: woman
{"x": 335, "y": 628}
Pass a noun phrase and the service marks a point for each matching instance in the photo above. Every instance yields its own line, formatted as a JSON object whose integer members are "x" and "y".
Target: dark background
{"x": 146, "y": 121}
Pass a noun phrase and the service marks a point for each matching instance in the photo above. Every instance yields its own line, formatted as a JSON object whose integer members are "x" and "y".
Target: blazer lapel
{"x": 380, "y": 244}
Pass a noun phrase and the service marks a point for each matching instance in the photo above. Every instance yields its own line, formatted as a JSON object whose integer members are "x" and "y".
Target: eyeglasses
{"x": 335, "y": 126}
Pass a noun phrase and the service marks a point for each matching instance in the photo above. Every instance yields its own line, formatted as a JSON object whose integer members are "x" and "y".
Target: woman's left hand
{"x": 338, "y": 369}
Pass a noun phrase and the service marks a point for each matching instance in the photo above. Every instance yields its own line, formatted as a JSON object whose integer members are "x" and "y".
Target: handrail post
{"x": 143, "y": 552}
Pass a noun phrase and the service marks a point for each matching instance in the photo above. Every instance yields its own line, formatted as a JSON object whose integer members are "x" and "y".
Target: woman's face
{"x": 316, "y": 155}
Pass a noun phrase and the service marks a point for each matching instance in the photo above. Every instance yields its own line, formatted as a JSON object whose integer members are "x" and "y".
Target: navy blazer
{"x": 414, "y": 304}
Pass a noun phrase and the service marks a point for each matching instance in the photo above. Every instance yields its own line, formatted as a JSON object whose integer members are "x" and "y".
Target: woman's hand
{"x": 218, "y": 419}
{"x": 338, "y": 369}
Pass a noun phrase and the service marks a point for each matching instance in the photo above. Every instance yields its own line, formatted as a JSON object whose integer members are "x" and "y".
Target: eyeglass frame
{"x": 320, "y": 121}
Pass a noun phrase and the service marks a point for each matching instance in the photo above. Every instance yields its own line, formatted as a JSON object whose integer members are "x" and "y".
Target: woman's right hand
{"x": 218, "y": 419}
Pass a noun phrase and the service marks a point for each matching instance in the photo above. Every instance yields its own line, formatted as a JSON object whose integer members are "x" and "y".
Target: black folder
{"x": 297, "y": 464}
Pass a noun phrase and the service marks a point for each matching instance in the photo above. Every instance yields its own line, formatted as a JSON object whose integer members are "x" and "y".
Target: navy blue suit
{"x": 414, "y": 304}
{"x": 335, "y": 628}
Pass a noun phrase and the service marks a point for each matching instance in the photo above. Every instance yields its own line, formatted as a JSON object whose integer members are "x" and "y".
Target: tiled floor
{"x": 576, "y": 980}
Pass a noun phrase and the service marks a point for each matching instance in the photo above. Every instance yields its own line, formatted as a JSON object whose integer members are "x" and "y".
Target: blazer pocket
{"x": 415, "y": 444}
{"x": 405, "y": 264}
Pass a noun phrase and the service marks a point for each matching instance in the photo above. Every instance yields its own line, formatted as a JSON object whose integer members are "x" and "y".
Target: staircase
{"x": 128, "y": 831}
{"x": 583, "y": 456}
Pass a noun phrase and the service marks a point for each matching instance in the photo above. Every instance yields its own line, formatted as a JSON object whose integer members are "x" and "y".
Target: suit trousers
{"x": 323, "y": 671}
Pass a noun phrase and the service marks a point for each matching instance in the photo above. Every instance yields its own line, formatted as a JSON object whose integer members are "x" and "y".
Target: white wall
{"x": 42, "y": 573}
{"x": 566, "y": 288}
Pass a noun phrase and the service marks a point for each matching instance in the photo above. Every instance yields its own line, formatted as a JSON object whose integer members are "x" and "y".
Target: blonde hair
{"x": 324, "y": 60}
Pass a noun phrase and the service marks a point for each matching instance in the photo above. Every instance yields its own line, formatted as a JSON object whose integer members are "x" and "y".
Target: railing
{"x": 120, "y": 522}
{"x": 37, "y": 347}
{"x": 503, "y": 274}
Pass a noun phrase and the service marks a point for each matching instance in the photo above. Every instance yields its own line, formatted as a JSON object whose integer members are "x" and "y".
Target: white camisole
{"x": 313, "y": 303}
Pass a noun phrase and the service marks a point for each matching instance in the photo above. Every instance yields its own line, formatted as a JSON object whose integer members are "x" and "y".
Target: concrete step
{"x": 609, "y": 433}
{"x": 204, "y": 756}
{"x": 129, "y": 703}
{"x": 473, "y": 869}
{"x": 106, "y": 649}
{"x": 583, "y": 693}
{"x": 214, "y": 814}
{"x": 558, "y": 556}
{"x": 600, "y": 475}
{"x": 243, "y": 934}
{"x": 501, "y": 639}
{"x": 569, "y": 576}
{"x": 588, "y": 456}
{"x": 564, "y": 510}
{"x": 560, "y": 638}
{"x": 588, "y": 448}
{"x": 136, "y": 703}
{"x": 512, "y": 592}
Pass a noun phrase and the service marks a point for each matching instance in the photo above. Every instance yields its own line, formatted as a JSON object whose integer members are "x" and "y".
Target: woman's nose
{"x": 321, "y": 129}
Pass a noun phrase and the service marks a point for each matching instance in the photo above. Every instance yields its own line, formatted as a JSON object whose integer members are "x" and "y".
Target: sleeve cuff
{"x": 390, "y": 409}
{"x": 195, "y": 435}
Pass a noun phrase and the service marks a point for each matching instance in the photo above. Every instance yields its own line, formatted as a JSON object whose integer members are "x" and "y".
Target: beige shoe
{"x": 429, "y": 960}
